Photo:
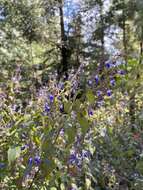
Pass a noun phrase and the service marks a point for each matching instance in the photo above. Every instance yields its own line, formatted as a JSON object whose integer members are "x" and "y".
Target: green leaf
{"x": 139, "y": 166}
{"x": 62, "y": 186}
{"x": 47, "y": 167}
{"x": 13, "y": 154}
{"x": 90, "y": 96}
{"x": 130, "y": 153}
{"x": 84, "y": 124}
{"x": 53, "y": 188}
{"x": 67, "y": 107}
{"x": 71, "y": 132}
{"x": 77, "y": 105}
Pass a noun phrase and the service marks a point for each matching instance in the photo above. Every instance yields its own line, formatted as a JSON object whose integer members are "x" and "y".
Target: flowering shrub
{"x": 62, "y": 139}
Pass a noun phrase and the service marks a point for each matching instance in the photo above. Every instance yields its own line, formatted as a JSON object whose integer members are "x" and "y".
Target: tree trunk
{"x": 63, "y": 67}
{"x": 141, "y": 52}
{"x": 132, "y": 108}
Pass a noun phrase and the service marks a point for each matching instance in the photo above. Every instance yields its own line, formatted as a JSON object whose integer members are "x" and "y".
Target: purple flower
{"x": 121, "y": 72}
{"x": 89, "y": 82}
{"x": 86, "y": 154}
{"x": 108, "y": 65}
{"x": 96, "y": 79}
{"x": 90, "y": 112}
{"x": 30, "y": 161}
{"x": 47, "y": 108}
{"x": 99, "y": 93}
{"x": 61, "y": 86}
{"x": 112, "y": 82}
{"x": 78, "y": 140}
{"x": 2, "y": 165}
{"x": 73, "y": 158}
{"x": 37, "y": 160}
{"x": 61, "y": 108}
{"x": 100, "y": 103}
{"x": 109, "y": 93}
{"x": 62, "y": 132}
{"x": 23, "y": 147}
{"x": 59, "y": 98}
{"x": 51, "y": 97}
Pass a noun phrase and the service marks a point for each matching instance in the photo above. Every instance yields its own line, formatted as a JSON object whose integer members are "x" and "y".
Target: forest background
{"x": 71, "y": 94}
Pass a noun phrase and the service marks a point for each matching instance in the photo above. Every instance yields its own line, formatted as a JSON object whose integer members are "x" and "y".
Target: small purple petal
{"x": 61, "y": 108}
{"x": 109, "y": 93}
{"x": 108, "y": 65}
{"x": 61, "y": 86}
{"x": 51, "y": 97}
{"x": 86, "y": 154}
{"x": 37, "y": 160}
{"x": 23, "y": 147}
{"x": 2, "y": 165}
{"x": 47, "y": 108}
{"x": 96, "y": 79}
{"x": 62, "y": 132}
{"x": 121, "y": 72}
{"x": 89, "y": 82}
{"x": 90, "y": 112}
{"x": 112, "y": 82}
{"x": 30, "y": 161}
{"x": 99, "y": 93}
{"x": 72, "y": 158}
